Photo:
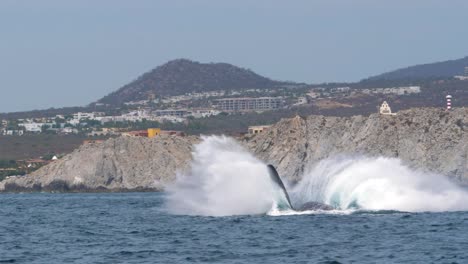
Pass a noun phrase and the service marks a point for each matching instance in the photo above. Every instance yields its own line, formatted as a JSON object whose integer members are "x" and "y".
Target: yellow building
{"x": 152, "y": 132}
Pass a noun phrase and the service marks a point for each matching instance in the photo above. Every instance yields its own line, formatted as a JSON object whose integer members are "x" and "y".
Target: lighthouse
{"x": 449, "y": 102}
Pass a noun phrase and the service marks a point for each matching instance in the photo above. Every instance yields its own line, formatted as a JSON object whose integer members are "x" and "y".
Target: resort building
{"x": 171, "y": 112}
{"x": 249, "y": 104}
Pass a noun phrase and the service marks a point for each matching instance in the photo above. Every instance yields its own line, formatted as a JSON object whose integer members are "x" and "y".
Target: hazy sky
{"x": 57, "y": 53}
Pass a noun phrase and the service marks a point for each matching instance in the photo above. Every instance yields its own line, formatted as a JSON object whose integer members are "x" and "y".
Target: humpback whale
{"x": 305, "y": 207}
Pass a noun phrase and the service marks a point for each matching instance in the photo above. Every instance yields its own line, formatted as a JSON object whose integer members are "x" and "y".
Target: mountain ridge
{"x": 181, "y": 76}
{"x": 441, "y": 69}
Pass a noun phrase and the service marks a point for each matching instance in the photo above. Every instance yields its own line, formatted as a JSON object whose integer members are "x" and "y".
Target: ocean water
{"x": 226, "y": 209}
{"x": 137, "y": 228}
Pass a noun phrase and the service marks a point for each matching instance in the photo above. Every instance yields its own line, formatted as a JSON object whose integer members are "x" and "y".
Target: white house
{"x": 34, "y": 127}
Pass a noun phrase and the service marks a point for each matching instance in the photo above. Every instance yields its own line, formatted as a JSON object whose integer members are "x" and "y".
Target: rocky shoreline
{"x": 425, "y": 138}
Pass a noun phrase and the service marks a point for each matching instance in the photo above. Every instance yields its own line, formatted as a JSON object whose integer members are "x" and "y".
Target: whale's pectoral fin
{"x": 277, "y": 180}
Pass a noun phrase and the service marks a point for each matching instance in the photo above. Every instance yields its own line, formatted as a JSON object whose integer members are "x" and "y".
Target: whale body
{"x": 274, "y": 176}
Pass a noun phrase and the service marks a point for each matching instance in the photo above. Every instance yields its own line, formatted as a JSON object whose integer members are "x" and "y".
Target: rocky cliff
{"x": 425, "y": 138}
{"x": 120, "y": 164}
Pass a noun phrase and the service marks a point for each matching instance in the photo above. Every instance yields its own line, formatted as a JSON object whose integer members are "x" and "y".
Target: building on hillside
{"x": 35, "y": 127}
{"x": 404, "y": 90}
{"x": 257, "y": 129}
{"x": 301, "y": 100}
{"x": 385, "y": 109}
{"x": 249, "y": 104}
{"x": 68, "y": 130}
{"x": 203, "y": 112}
{"x": 137, "y": 133}
{"x": 463, "y": 77}
{"x": 171, "y": 119}
{"x": 171, "y": 112}
{"x": 13, "y": 132}
{"x": 80, "y": 115}
{"x": 152, "y": 132}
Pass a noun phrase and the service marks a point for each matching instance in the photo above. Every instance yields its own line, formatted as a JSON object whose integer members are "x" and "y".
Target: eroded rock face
{"x": 429, "y": 139}
{"x": 120, "y": 164}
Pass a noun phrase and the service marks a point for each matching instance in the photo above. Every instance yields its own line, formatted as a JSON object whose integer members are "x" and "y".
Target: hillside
{"x": 442, "y": 69}
{"x": 182, "y": 76}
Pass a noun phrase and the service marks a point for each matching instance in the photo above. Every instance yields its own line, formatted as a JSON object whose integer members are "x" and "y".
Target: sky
{"x": 56, "y": 53}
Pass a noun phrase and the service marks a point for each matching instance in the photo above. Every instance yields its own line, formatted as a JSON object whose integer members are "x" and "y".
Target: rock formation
{"x": 425, "y": 138}
{"x": 120, "y": 164}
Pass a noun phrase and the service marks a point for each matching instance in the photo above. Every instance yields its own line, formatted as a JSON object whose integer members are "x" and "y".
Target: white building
{"x": 394, "y": 90}
{"x": 301, "y": 100}
{"x": 92, "y": 115}
{"x": 463, "y": 77}
{"x": 249, "y": 103}
{"x": 68, "y": 130}
{"x": 385, "y": 109}
{"x": 13, "y": 132}
{"x": 200, "y": 113}
{"x": 34, "y": 127}
{"x": 80, "y": 116}
{"x": 171, "y": 112}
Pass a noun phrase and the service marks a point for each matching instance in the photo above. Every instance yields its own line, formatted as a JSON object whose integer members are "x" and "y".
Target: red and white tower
{"x": 449, "y": 102}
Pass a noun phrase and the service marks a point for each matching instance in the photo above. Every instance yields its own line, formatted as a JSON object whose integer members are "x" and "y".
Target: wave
{"x": 225, "y": 179}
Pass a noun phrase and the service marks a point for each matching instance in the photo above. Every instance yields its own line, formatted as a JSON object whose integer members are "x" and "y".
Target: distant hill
{"x": 442, "y": 69}
{"x": 181, "y": 76}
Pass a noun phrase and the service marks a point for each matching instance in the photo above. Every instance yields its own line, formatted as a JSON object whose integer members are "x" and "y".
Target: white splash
{"x": 224, "y": 179}
{"x": 379, "y": 184}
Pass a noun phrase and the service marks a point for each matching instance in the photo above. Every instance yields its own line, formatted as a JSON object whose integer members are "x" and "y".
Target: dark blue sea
{"x": 134, "y": 228}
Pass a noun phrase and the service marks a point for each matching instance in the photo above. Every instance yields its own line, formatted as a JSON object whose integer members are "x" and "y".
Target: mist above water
{"x": 225, "y": 179}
